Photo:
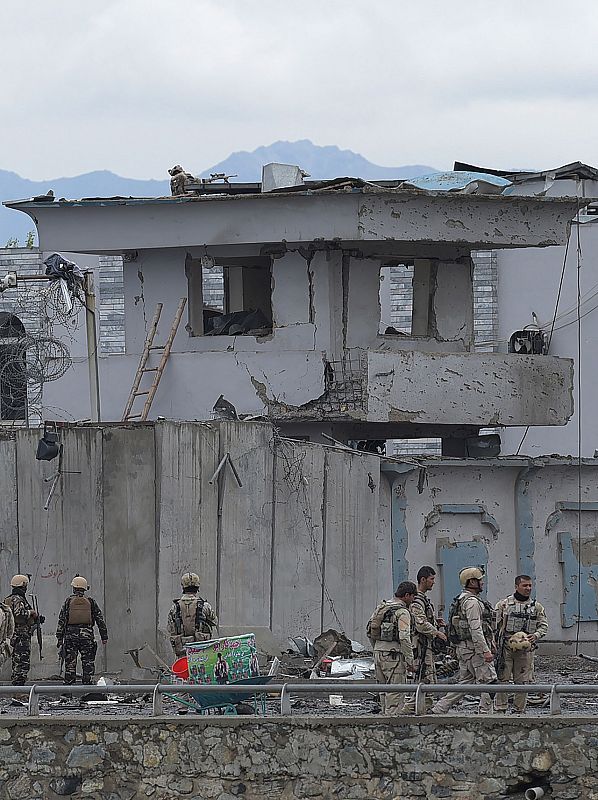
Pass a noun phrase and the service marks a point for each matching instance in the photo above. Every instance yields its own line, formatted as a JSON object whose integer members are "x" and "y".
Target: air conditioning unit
{"x": 528, "y": 342}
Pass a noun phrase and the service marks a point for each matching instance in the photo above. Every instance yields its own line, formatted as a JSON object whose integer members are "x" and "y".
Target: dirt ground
{"x": 549, "y": 669}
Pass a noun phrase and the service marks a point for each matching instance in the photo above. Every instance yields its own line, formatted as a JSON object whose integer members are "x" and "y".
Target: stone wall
{"x": 353, "y": 759}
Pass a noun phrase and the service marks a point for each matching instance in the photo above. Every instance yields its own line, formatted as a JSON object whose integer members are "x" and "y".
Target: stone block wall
{"x": 367, "y": 758}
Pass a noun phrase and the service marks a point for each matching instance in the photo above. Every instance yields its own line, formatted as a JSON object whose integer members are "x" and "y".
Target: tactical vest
{"x": 459, "y": 630}
{"x": 381, "y": 625}
{"x": 421, "y": 598}
{"x": 525, "y": 620}
{"x": 18, "y": 620}
{"x": 189, "y": 616}
{"x": 79, "y": 611}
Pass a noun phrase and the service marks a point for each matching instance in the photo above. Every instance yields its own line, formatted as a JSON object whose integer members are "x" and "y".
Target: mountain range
{"x": 319, "y": 161}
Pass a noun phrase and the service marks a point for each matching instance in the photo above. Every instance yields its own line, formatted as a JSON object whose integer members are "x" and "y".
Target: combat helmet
{"x": 19, "y": 581}
{"x": 189, "y": 579}
{"x": 470, "y": 574}
{"x": 79, "y": 582}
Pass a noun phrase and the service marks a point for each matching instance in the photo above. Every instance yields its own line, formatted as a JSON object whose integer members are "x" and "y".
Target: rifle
{"x": 61, "y": 655}
{"x": 422, "y": 652}
{"x": 38, "y": 626}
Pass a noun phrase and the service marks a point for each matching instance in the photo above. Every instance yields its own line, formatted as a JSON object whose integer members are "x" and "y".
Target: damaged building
{"x": 283, "y": 318}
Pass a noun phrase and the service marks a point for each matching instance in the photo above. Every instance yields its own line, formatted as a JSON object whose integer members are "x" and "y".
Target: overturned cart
{"x": 228, "y": 662}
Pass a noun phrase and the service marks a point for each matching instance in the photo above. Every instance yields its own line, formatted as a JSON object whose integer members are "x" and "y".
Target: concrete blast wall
{"x": 295, "y": 548}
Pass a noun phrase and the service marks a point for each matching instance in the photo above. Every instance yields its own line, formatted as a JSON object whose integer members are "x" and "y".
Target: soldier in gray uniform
{"x": 25, "y": 618}
{"x": 191, "y": 618}
{"x": 471, "y": 628}
{"x": 520, "y": 622}
{"x": 75, "y": 635}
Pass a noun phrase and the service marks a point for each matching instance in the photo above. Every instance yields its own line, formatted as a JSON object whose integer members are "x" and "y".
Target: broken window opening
{"x": 396, "y": 300}
{"x": 405, "y": 295}
{"x": 13, "y": 369}
{"x": 232, "y": 297}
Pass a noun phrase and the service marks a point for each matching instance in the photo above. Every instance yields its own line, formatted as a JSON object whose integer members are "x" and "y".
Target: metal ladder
{"x": 148, "y": 348}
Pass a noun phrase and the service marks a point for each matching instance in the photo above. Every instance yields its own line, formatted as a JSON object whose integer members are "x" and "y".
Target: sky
{"x": 134, "y": 86}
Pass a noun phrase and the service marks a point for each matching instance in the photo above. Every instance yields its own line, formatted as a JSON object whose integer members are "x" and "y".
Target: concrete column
{"x": 363, "y": 302}
{"x": 292, "y": 290}
{"x": 452, "y": 303}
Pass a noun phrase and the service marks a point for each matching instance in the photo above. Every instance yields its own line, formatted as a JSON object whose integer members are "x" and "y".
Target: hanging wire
{"x": 579, "y": 433}
{"x": 554, "y": 317}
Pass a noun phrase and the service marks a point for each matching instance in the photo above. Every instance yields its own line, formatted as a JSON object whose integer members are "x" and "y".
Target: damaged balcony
{"x": 298, "y": 332}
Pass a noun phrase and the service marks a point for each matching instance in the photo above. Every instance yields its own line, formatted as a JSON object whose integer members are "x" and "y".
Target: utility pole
{"x": 92, "y": 347}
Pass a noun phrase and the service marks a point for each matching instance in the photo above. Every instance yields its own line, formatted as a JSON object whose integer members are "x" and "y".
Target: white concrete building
{"x": 308, "y": 259}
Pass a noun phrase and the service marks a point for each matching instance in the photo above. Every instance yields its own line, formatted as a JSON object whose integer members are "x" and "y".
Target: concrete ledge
{"x": 367, "y": 757}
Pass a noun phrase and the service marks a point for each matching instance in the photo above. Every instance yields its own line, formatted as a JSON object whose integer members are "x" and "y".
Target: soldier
{"x": 25, "y": 618}
{"x": 471, "y": 628}
{"x": 75, "y": 635}
{"x": 389, "y": 628}
{"x": 520, "y": 622}
{"x": 426, "y": 633}
{"x": 191, "y": 618}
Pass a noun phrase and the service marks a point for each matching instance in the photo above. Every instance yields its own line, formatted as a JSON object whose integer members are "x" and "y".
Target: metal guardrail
{"x": 285, "y": 690}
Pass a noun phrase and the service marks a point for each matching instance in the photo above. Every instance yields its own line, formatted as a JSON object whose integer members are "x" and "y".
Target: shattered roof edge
{"x": 400, "y": 192}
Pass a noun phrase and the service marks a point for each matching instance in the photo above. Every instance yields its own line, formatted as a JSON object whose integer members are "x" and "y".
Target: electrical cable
{"x": 579, "y": 434}
{"x": 556, "y": 308}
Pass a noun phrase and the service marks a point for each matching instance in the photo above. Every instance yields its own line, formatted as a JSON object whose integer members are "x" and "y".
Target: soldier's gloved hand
{"x": 488, "y": 657}
{"x": 104, "y": 642}
{"x": 533, "y": 638}
{"x": 441, "y": 635}
{"x": 42, "y": 619}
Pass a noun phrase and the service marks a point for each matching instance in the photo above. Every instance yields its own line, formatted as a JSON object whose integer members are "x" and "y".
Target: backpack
{"x": 188, "y": 621}
{"x": 454, "y": 633}
{"x": 380, "y": 618}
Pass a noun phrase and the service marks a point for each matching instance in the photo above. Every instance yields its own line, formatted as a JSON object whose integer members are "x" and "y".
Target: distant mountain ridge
{"x": 320, "y": 161}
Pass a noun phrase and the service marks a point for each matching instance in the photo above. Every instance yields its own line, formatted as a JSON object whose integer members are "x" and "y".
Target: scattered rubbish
{"x": 348, "y": 667}
{"x": 336, "y": 700}
{"x": 302, "y": 645}
{"x": 332, "y": 643}
{"x": 274, "y": 667}
{"x": 357, "y": 647}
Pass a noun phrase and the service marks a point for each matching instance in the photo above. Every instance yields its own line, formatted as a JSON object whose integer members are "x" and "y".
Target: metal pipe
{"x": 534, "y": 793}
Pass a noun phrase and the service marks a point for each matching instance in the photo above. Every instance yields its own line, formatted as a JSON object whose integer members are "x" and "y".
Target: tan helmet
{"x": 189, "y": 579}
{"x": 469, "y": 574}
{"x": 18, "y": 581}
{"x": 519, "y": 641}
{"x": 79, "y": 583}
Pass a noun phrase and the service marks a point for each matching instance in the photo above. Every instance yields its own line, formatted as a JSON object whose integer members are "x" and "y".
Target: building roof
{"x": 576, "y": 169}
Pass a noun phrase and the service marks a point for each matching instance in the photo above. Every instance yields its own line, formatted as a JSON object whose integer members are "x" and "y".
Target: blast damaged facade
{"x": 283, "y": 315}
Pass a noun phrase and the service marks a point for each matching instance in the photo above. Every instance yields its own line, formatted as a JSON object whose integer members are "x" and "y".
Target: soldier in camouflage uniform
{"x": 24, "y": 618}
{"x": 191, "y": 618}
{"x": 425, "y": 631}
{"x": 520, "y": 622}
{"x": 75, "y": 635}
{"x": 471, "y": 627}
{"x": 390, "y": 630}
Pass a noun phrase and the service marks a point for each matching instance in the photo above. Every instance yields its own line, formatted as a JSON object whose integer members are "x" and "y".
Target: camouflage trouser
{"x": 79, "y": 641}
{"x": 472, "y": 669}
{"x": 427, "y": 674}
{"x": 390, "y": 668}
{"x": 21, "y": 656}
{"x": 519, "y": 667}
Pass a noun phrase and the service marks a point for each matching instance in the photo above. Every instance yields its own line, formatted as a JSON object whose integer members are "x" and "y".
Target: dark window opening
{"x": 13, "y": 368}
{"x": 232, "y": 297}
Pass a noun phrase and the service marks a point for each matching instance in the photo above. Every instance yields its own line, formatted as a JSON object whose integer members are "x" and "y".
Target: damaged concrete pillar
{"x": 292, "y": 290}
{"x": 452, "y": 303}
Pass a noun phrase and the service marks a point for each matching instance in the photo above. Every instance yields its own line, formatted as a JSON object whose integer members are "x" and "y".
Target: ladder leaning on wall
{"x": 142, "y": 369}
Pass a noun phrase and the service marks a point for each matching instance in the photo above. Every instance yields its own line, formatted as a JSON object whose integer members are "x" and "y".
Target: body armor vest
{"x": 79, "y": 611}
{"x": 459, "y": 630}
{"x": 18, "y": 619}
{"x": 520, "y": 617}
